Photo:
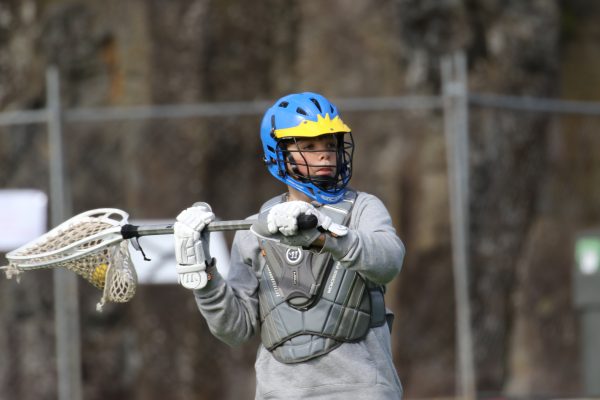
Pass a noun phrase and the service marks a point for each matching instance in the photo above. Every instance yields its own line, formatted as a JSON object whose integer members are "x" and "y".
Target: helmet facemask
{"x": 293, "y": 158}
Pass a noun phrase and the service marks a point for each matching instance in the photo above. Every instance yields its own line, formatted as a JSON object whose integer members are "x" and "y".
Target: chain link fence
{"x": 154, "y": 161}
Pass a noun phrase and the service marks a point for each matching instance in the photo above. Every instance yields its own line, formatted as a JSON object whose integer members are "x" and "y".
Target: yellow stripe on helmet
{"x": 309, "y": 128}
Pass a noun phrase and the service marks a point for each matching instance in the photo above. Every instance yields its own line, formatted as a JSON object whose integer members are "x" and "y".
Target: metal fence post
{"x": 66, "y": 307}
{"x": 454, "y": 79}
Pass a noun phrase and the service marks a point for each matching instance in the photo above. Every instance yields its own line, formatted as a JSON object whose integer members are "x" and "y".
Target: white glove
{"x": 283, "y": 218}
{"x": 326, "y": 223}
{"x": 192, "y": 245}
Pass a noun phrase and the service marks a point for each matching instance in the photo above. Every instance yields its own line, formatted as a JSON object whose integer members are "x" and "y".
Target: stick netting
{"x": 108, "y": 268}
{"x": 121, "y": 278}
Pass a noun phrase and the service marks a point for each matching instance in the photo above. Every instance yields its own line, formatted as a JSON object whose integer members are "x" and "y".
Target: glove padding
{"x": 192, "y": 245}
{"x": 280, "y": 224}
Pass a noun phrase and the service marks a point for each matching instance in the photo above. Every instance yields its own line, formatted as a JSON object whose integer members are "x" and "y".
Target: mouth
{"x": 324, "y": 171}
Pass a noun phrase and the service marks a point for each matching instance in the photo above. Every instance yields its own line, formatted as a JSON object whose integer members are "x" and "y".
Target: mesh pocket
{"x": 121, "y": 279}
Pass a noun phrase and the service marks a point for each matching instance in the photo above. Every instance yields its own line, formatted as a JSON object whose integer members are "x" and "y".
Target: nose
{"x": 324, "y": 154}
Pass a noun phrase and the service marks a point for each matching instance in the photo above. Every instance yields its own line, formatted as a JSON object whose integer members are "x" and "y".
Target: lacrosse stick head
{"x": 89, "y": 244}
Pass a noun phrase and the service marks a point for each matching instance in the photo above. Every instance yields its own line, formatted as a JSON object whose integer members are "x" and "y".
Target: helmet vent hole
{"x": 332, "y": 110}
{"x": 273, "y": 122}
{"x": 271, "y": 149}
{"x": 316, "y": 103}
{"x": 283, "y": 104}
{"x": 301, "y": 111}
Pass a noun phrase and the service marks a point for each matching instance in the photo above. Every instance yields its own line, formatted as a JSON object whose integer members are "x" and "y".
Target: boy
{"x": 315, "y": 295}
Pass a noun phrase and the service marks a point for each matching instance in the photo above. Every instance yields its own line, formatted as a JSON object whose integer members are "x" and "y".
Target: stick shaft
{"x": 234, "y": 225}
{"x": 128, "y": 231}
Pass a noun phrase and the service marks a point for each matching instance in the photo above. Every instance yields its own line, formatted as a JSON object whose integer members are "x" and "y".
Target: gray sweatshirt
{"x": 361, "y": 370}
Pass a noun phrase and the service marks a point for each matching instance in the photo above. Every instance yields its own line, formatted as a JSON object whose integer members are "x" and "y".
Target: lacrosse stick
{"x": 94, "y": 245}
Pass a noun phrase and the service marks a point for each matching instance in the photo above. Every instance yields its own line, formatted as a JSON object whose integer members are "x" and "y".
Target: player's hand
{"x": 192, "y": 245}
{"x": 280, "y": 224}
{"x": 283, "y": 218}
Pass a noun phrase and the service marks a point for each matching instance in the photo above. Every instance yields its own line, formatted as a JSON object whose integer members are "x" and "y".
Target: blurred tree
{"x": 533, "y": 176}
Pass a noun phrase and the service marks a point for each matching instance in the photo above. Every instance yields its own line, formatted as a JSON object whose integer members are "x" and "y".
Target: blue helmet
{"x": 306, "y": 115}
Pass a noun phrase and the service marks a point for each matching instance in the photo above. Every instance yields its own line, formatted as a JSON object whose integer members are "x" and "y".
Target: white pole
{"x": 66, "y": 307}
{"x": 454, "y": 78}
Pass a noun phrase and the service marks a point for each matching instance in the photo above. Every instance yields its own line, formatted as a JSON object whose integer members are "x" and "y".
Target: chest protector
{"x": 309, "y": 303}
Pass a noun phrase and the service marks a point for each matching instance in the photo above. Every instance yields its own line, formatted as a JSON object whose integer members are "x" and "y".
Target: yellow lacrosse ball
{"x": 99, "y": 275}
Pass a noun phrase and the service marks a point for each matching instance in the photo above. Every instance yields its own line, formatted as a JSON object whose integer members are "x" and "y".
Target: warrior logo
{"x": 293, "y": 256}
{"x": 332, "y": 281}
{"x": 273, "y": 282}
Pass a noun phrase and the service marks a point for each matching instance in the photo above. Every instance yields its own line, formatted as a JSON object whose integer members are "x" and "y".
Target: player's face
{"x": 315, "y": 156}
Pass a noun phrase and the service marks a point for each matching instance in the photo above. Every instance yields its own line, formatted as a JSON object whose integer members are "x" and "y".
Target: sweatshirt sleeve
{"x": 230, "y": 306}
{"x": 371, "y": 246}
